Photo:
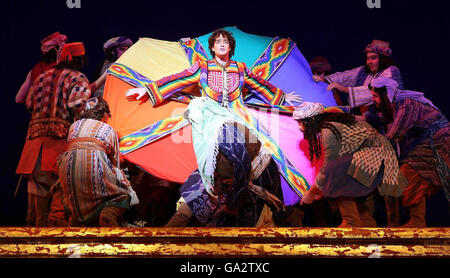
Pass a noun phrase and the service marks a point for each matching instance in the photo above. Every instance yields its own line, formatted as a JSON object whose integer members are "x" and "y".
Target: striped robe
{"x": 412, "y": 119}
{"x": 90, "y": 173}
{"x": 358, "y": 79}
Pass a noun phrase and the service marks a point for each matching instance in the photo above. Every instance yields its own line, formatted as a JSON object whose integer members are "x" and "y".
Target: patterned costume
{"x": 89, "y": 171}
{"x": 222, "y": 102}
{"x": 358, "y": 79}
{"x": 364, "y": 155}
{"x": 54, "y": 99}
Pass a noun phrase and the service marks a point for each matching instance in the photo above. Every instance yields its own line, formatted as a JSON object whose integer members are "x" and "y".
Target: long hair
{"x": 314, "y": 125}
{"x": 385, "y": 108}
{"x": 383, "y": 60}
{"x": 224, "y": 33}
{"x": 50, "y": 56}
{"x": 98, "y": 112}
{"x": 77, "y": 63}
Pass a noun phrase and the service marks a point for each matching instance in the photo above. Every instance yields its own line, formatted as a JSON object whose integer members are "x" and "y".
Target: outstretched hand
{"x": 291, "y": 97}
{"x": 137, "y": 94}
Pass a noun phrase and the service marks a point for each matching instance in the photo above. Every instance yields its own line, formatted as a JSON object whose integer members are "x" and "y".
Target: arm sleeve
{"x": 165, "y": 87}
{"x": 406, "y": 114}
{"x": 346, "y": 78}
{"x": 79, "y": 94}
{"x": 330, "y": 151}
{"x": 262, "y": 88}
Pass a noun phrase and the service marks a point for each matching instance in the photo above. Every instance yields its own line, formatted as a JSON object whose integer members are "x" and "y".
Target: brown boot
{"x": 111, "y": 216}
{"x": 417, "y": 215}
{"x": 365, "y": 209}
{"x": 349, "y": 212}
{"x": 392, "y": 211}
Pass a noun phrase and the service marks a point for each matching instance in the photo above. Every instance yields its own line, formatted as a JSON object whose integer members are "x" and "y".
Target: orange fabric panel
{"x": 52, "y": 147}
{"x": 172, "y": 157}
{"x": 130, "y": 116}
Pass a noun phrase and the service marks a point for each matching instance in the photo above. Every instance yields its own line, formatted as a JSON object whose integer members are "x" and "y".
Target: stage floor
{"x": 76, "y": 242}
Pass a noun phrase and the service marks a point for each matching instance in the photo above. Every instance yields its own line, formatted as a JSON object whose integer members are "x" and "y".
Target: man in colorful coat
{"x": 222, "y": 83}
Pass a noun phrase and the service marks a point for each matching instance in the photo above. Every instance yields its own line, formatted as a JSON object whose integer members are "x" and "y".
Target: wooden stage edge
{"x": 77, "y": 242}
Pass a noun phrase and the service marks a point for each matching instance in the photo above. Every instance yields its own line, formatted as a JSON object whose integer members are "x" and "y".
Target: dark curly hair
{"x": 224, "y": 33}
{"x": 98, "y": 112}
{"x": 77, "y": 63}
{"x": 385, "y": 107}
{"x": 314, "y": 125}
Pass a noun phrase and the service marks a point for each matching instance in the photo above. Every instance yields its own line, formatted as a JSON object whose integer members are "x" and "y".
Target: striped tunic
{"x": 89, "y": 171}
{"x": 358, "y": 79}
{"x": 412, "y": 119}
{"x": 55, "y": 98}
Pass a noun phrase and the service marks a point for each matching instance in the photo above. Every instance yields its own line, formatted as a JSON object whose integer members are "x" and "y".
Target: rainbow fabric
{"x": 128, "y": 75}
{"x": 151, "y": 133}
{"x": 273, "y": 57}
{"x": 194, "y": 51}
{"x": 296, "y": 180}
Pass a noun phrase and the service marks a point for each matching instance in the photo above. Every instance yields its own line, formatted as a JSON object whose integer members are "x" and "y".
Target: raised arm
{"x": 165, "y": 87}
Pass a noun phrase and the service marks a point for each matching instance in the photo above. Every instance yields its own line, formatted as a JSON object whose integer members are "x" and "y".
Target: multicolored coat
{"x": 224, "y": 101}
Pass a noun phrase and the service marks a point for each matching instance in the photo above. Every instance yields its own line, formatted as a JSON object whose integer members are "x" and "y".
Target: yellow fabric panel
{"x": 155, "y": 58}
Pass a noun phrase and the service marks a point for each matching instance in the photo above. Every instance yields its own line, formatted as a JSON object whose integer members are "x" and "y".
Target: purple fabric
{"x": 284, "y": 130}
{"x": 295, "y": 75}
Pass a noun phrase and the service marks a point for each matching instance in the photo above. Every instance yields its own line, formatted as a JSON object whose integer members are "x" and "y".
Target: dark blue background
{"x": 339, "y": 30}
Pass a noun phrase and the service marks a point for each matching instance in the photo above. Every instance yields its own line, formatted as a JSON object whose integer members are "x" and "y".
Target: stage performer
{"x": 56, "y": 98}
{"x": 50, "y": 47}
{"x": 113, "y": 48}
{"x": 422, "y": 134}
{"x": 354, "y": 82}
{"x": 357, "y": 161}
{"x": 221, "y": 82}
{"x": 96, "y": 191}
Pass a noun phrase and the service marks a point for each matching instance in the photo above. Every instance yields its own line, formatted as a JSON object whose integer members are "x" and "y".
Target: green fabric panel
{"x": 248, "y": 46}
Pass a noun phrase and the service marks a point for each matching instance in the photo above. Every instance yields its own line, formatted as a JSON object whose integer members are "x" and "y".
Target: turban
{"x": 380, "y": 47}
{"x": 307, "y": 110}
{"x": 70, "y": 50}
{"x": 117, "y": 42}
{"x": 390, "y": 84}
{"x": 320, "y": 64}
{"x": 53, "y": 41}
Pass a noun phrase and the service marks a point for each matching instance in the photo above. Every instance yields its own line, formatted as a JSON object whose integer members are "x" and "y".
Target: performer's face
{"x": 372, "y": 61}
{"x": 376, "y": 98}
{"x": 121, "y": 50}
{"x": 221, "y": 47}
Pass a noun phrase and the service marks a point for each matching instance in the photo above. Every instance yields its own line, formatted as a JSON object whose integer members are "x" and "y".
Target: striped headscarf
{"x": 53, "y": 41}
{"x": 380, "y": 47}
{"x": 308, "y": 110}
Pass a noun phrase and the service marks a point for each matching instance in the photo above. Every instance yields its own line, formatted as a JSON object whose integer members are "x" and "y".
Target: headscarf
{"x": 117, "y": 42}
{"x": 395, "y": 94}
{"x": 320, "y": 64}
{"x": 380, "y": 47}
{"x": 71, "y": 50}
{"x": 53, "y": 41}
{"x": 307, "y": 110}
{"x": 390, "y": 84}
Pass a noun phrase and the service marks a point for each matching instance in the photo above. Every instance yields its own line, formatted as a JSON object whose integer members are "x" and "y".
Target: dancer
{"x": 357, "y": 161}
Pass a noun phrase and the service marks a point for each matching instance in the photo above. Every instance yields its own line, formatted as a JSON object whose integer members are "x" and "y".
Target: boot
{"x": 365, "y": 209}
{"x": 349, "y": 212}
{"x": 111, "y": 216}
{"x": 392, "y": 211}
{"x": 417, "y": 215}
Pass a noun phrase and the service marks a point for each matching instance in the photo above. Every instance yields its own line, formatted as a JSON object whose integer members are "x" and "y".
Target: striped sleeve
{"x": 79, "y": 94}
{"x": 165, "y": 87}
{"x": 262, "y": 88}
{"x": 406, "y": 114}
